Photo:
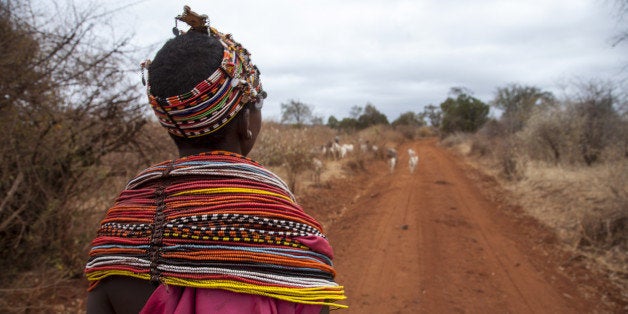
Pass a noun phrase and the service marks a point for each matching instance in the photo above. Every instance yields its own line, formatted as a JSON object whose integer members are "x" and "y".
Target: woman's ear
{"x": 244, "y": 125}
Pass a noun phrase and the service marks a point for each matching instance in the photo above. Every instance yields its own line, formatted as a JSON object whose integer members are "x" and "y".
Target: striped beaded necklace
{"x": 216, "y": 220}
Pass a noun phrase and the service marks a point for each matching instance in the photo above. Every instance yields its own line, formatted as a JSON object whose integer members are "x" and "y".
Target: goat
{"x": 336, "y": 150}
{"x": 364, "y": 147}
{"x": 317, "y": 168}
{"x": 392, "y": 162}
{"x": 413, "y": 160}
{"x": 348, "y": 147}
{"x": 344, "y": 149}
{"x": 391, "y": 153}
{"x": 331, "y": 150}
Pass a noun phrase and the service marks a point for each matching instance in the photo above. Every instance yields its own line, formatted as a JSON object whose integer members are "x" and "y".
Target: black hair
{"x": 182, "y": 63}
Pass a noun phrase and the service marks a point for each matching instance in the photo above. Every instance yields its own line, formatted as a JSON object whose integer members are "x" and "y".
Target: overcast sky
{"x": 402, "y": 55}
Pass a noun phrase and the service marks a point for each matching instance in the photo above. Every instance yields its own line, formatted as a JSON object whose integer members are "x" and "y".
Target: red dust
{"x": 438, "y": 241}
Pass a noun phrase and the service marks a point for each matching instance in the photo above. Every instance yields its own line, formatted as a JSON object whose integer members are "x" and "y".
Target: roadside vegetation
{"x": 565, "y": 162}
{"x": 75, "y": 128}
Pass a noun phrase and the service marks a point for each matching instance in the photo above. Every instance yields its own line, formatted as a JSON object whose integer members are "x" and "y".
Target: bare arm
{"x": 117, "y": 294}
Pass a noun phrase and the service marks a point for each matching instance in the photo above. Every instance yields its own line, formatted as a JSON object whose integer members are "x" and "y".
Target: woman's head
{"x": 182, "y": 63}
{"x": 203, "y": 88}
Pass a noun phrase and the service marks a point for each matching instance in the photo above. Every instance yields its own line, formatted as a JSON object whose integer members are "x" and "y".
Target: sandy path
{"x": 430, "y": 242}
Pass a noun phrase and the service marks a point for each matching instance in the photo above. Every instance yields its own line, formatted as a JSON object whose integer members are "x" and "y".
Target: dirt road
{"x": 431, "y": 242}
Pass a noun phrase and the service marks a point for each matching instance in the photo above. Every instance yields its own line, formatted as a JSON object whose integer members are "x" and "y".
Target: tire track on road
{"x": 432, "y": 243}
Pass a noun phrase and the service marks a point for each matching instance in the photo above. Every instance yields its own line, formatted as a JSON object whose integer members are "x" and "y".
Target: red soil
{"x": 439, "y": 241}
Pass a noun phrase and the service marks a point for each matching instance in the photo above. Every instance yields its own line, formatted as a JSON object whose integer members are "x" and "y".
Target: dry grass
{"x": 44, "y": 291}
{"x": 462, "y": 143}
{"x": 586, "y": 206}
{"x": 281, "y": 146}
{"x": 565, "y": 197}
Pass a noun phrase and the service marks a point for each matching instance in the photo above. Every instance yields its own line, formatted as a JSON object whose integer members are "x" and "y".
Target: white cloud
{"x": 402, "y": 55}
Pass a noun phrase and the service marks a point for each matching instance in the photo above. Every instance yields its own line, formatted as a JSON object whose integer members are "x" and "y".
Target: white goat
{"x": 317, "y": 169}
{"x": 331, "y": 150}
{"x": 413, "y": 161}
{"x": 344, "y": 149}
{"x": 391, "y": 153}
{"x": 336, "y": 150}
{"x": 392, "y": 162}
{"x": 364, "y": 148}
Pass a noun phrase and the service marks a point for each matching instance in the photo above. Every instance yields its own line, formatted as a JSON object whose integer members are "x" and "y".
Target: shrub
{"x": 290, "y": 147}
{"x": 510, "y": 159}
{"x": 382, "y": 137}
{"x": 66, "y": 105}
{"x": 426, "y": 131}
{"x": 584, "y": 128}
{"x": 463, "y": 113}
{"x": 607, "y": 226}
{"x": 604, "y": 229}
{"x": 408, "y": 131}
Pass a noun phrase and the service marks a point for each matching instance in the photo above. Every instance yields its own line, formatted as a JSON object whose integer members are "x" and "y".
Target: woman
{"x": 212, "y": 231}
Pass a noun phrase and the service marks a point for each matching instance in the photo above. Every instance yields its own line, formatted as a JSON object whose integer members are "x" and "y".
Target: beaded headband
{"x": 213, "y": 102}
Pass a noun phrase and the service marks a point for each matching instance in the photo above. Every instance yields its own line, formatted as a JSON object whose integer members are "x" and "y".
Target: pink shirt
{"x": 187, "y": 300}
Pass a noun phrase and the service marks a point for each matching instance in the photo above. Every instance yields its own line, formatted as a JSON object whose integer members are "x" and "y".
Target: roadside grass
{"x": 586, "y": 206}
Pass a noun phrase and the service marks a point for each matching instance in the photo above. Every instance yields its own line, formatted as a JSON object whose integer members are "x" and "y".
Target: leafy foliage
{"x": 410, "y": 119}
{"x": 359, "y": 118}
{"x": 332, "y": 122}
{"x": 408, "y": 124}
{"x": 434, "y": 115}
{"x": 463, "y": 113}
{"x": 518, "y": 102}
{"x": 348, "y": 125}
{"x": 371, "y": 116}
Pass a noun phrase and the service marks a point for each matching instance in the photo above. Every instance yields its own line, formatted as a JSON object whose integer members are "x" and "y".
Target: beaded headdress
{"x": 213, "y": 102}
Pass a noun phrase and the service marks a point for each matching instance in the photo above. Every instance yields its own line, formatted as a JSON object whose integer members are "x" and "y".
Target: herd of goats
{"x": 333, "y": 150}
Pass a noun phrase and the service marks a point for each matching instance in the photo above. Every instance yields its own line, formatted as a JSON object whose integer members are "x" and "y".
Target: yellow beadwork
{"x": 230, "y": 190}
{"x": 296, "y": 295}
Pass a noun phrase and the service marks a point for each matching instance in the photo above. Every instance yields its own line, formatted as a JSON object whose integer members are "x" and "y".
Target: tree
{"x": 621, "y": 9}
{"x": 585, "y": 128}
{"x": 518, "y": 102}
{"x": 434, "y": 114}
{"x": 296, "y": 112}
{"x": 410, "y": 119}
{"x": 408, "y": 123}
{"x": 332, "y": 122}
{"x": 66, "y": 104}
{"x": 371, "y": 116}
{"x": 355, "y": 112}
{"x": 463, "y": 113}
{"x": 348, "y": 124}
{"x": 282, "y": 146}
{"x": 594, "y": 106}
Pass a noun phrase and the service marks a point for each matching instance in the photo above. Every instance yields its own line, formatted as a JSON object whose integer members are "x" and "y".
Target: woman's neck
{"x": 192, "y": 150}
